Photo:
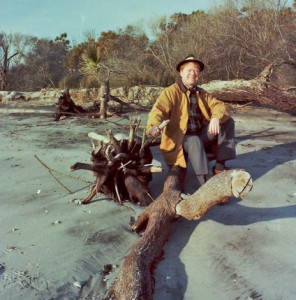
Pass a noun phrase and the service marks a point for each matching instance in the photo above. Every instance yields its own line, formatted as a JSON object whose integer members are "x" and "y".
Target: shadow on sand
{"x": 257, "y": 163}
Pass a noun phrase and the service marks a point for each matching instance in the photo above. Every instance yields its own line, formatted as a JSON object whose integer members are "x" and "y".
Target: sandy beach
{"x": 51, "y": 246}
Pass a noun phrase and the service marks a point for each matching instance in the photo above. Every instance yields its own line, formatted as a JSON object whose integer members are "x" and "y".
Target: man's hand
{"x": 214, "y": 126}
{"x": 155, "y": 131}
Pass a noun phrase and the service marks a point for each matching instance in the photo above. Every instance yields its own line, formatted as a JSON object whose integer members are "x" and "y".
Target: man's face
{"x": 189, "y": 74}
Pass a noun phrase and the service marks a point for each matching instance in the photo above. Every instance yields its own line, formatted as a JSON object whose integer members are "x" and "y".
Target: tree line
{"x": 237, "y": 39}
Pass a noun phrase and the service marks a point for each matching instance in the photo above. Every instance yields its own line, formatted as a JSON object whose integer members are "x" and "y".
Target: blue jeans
{"x": 194, "y": 146}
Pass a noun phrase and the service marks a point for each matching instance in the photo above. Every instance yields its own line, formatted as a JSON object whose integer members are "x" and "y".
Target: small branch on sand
{"x": 51, "y": 171}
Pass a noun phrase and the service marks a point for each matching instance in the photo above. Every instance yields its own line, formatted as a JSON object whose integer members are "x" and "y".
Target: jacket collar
{"x": 183, "y": 88}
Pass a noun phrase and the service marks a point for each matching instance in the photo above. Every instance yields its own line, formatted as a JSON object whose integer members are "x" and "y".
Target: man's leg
{"x": 194, "y": 148}
{"x": 226, "y": 143}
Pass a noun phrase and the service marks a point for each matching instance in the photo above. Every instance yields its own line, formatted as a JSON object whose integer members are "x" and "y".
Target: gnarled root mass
{"x": 122, "y": 166}
{"x": 66, "y": 106}
{"x": 135, "y": 280}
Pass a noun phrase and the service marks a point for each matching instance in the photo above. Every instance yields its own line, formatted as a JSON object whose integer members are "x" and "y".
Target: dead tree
{"x": 122, "y": 166}
{"x": 66, "y": 106}
{"x": 5, "y": 59}
{"x": 275, "y": 86}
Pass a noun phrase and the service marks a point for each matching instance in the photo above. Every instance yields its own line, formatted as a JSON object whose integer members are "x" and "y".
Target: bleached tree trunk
{"x": 104, "y": 97}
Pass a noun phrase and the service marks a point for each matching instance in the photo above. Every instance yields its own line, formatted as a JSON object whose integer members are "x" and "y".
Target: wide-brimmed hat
{"x": 190, "y": 58}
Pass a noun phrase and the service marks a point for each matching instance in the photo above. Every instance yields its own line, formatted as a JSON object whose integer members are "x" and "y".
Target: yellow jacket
{"x": 173, "y": 105}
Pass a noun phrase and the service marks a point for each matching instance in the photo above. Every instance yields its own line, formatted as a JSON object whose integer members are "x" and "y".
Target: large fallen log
{"x": 135, "y": 280}
{"x": 275, "y": 86}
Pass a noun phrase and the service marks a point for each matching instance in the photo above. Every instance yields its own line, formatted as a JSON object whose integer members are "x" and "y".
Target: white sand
{"x": 243, "y": 250}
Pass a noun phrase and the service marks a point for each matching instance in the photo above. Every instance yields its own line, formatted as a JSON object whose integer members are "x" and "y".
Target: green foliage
{"x": 90, "y": 61}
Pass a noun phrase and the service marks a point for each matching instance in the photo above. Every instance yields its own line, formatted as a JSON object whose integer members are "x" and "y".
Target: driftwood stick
{"x": 58, "y": 181}
{"x": 60, "y": 173}
{"x": 150, "y": 140}
{"x": 50, "y": 172}
{"x": 116, "y": 189}
{"x": 116, "y": 158}
{"x": 143, "y": 139}
{"x": 83, "y": 166}
{"x": 151, "y": 169}
{"x": 95, "y": 188}
{"x": 134, "y": 124}
{"x": 113, "y": 142}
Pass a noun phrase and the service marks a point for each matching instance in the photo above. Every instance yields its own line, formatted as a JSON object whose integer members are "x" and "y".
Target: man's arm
{"x": 156, "y": 130}
{"x": 159, "y": 113}
{"x": 218, "y": 109}
{"x": 218, "y": 113}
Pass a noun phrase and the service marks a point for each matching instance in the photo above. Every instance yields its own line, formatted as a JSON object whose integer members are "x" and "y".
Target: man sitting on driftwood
{"x": 195, "y": 120}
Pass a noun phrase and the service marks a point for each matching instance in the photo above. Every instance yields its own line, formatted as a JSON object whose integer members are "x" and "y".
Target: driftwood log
{"x": 135, "y": 280}
{"x": 275, "y": 86}
{"x": 65, "y": 106}
{"x": 116, "y": 109}
{"x": 122, "y": 166}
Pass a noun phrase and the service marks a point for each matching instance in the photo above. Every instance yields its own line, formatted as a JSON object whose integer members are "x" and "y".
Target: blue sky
{"x": 50, "y": 18}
